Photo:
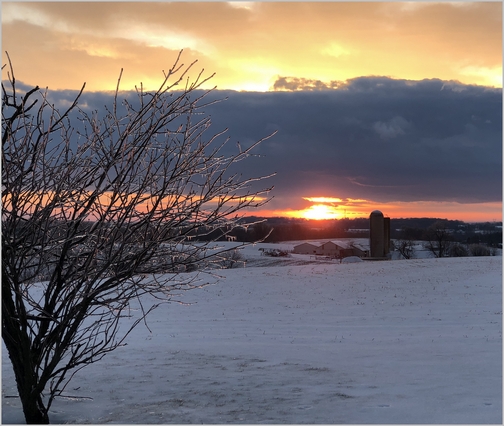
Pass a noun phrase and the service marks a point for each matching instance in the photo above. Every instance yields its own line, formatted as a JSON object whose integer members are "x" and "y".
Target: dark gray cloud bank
{"x": 374, "y": 138}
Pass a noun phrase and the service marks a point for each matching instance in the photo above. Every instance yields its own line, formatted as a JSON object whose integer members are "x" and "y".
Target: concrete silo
{"x": 379, "y": 235}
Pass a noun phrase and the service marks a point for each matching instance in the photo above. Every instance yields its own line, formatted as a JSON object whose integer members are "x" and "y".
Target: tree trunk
{"x": 34, "y": 409}
{"x": 19, "y": 349}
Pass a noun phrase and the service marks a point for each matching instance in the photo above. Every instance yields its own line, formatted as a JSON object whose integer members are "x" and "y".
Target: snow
{"x": 306, "y": 340}
{"x": 351, "y": 259}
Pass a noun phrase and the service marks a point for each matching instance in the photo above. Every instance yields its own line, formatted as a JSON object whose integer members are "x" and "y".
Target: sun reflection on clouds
{"x": 248, "y": 5}
{"x": 484, "y": 75}
{"x": 12, "y": 12}
{"x": 323, "y": 199}
{"x": 158, "y": 36}
{"x": 257, "y": 70}
{"x": 99, "y": 49}
{"x": 334, "y": 49}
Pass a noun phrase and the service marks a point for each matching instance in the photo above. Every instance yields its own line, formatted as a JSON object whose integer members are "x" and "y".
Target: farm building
{"x": 305, "y": 248}
{"x": 360, "y": 250}
{"x": 336, "y": 249}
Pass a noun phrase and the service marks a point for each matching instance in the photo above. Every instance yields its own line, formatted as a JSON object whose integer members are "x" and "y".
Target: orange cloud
{"x": 108, "y": 205}
{"x": 73, "y": 42}
{"x": 323, "y": 199}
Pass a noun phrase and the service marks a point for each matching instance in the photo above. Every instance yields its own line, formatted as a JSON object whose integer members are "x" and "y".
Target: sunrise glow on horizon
{"x": 487, "y": 212}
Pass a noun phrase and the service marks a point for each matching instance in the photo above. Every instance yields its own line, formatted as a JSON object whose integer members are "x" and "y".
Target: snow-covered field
{"x": 299, "y": 340}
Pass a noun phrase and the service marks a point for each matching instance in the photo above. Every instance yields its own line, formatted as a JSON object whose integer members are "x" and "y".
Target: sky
{"x": 394, "y": 106}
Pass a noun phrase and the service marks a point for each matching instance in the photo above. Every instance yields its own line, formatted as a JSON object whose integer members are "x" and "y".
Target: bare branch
{"x": 99, "y": 218}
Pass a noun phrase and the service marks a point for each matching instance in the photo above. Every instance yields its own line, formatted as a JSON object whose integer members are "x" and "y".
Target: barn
{"x": 360, "y": 250}
{"x": 305, "y": 248}
{"x": 335, "y": 249}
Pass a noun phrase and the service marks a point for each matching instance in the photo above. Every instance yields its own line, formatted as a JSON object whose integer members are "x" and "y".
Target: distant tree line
{"x": 487, "y": 233}
{"x": 411, "y": 229}
{"x": 443, "y": 241}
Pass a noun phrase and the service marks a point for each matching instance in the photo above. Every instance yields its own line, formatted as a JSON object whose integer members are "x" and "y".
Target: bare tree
{"x": 95, "y": 208}
{"x": 439, "y": 239}
{"x": 405, "y": 247}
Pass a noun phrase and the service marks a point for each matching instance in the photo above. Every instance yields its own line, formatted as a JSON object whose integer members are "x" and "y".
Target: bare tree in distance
{"x": 439, "y": 239}
{"x": 405, "y": 247}
{"x": 97, "y": 212}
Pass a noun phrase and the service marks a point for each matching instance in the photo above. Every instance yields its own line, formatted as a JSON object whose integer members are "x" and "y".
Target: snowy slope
{"x": 410, "y": 341}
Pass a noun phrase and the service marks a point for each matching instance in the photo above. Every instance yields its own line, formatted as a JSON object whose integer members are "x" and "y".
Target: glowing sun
{"x": 321, "y": 212}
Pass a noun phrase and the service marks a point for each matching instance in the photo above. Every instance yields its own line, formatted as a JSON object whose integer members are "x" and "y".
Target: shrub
{"x": 458, "y": 250}
{"x": 479, "y": 250}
